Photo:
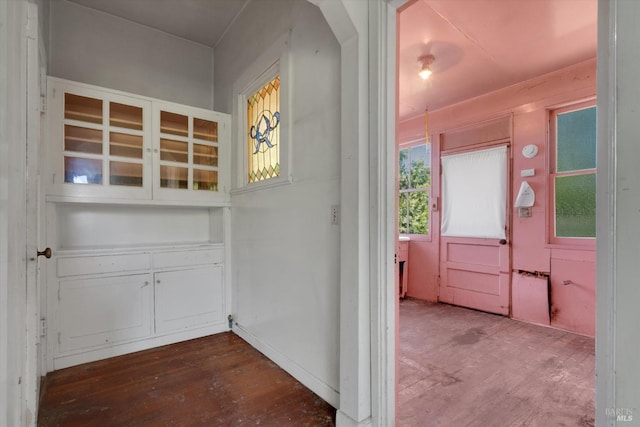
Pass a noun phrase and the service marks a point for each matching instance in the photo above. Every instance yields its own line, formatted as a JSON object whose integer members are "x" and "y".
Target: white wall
{"x": 285, "y": 252}
{"x": 93, "y": 47}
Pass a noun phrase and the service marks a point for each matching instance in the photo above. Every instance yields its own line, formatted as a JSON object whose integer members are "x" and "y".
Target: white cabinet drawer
{"x": 188, "y": 258}
{"x": 99, "y": 264}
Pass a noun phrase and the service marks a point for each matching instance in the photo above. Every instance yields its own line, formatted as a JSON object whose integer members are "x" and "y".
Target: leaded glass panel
{"x": 263, "y": 132}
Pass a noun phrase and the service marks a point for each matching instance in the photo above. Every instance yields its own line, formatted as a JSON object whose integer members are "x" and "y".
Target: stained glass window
{"x": 263, "y": 132}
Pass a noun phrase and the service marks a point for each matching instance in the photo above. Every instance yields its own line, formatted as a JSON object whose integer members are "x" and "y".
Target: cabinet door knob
{"x": 46, "y": 253}
{"x": 157, "y": 281}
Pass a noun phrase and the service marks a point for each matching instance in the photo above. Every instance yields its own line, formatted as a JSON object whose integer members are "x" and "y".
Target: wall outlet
{"x": 335, "y": 215}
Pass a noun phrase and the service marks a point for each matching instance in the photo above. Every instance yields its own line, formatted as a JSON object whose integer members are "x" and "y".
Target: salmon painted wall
{"x": 572, "y": 305}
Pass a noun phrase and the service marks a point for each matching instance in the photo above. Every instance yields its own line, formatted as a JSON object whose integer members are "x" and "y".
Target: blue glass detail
{"x": 261, "y": 131}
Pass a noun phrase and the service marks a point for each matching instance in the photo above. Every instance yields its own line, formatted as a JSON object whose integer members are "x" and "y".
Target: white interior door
{"x": 475, "y": 258}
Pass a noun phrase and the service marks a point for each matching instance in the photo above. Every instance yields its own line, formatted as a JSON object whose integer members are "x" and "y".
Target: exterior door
{"x": 475, "y": 258}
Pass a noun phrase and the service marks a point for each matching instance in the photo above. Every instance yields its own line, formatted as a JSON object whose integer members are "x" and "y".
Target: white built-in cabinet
{"x": 108, "y": 302}
{"x": 107, "y": 144}
{"x": 137, "y": 215}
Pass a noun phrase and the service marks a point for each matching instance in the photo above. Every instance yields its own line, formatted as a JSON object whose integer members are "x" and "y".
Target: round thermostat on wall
{"x": 530, "y": 151}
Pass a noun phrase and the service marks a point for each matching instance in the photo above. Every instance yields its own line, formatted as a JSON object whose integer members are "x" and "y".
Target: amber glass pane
{"x": 174, "y": 124}
{"x": 205, "y": 129}
{"x": 82, "y": 171}
{"x": 82, "y": 108}
{"x": 205, "y": 180}
{"x": 124, "y": 173}
{"x": 174, "y": 177}
{"x": 82, "y": 140}
{"x": 122, "y": 144}
{"x": 205, "y": 155}
{"x": 263, "y": 132}
{"x": 125, "y": 116}
{"x": 174, "y": 151}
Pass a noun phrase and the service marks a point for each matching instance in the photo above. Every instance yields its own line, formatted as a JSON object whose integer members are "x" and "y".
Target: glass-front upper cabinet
{"x": 105, "y": 144}
{"x": 190, "y": 146}
{"x": 100, "y": 143}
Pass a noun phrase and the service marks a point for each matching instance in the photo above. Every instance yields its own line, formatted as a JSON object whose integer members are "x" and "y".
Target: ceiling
{"x": 484, "y": 45}
{"x": 201, "y": 21}
{"x": 479, "y": 45}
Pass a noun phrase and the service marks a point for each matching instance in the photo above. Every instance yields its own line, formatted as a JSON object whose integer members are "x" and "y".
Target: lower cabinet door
{"x": 188, "y": 298}
{"x": 101, "y": 311}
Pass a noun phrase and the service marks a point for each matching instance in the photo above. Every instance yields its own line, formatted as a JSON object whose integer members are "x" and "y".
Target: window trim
{"x": 273, "y": 62}
{"x": 564, "y": 242}
{"x": 428, "y": 190}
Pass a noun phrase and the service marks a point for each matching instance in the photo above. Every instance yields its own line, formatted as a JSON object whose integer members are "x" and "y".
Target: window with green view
{"x": 415, "y": 179}
{"x": 574, "y": 177}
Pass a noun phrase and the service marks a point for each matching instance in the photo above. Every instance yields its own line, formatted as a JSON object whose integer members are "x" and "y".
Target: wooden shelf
{"x": 125, "y": 121}
{"x": 96, "y": 116}
{"x": 77, "y": 138}
{"x": 82, "y": 114}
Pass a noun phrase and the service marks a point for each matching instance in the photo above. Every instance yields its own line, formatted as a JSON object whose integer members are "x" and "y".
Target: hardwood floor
{"x": 218, "y": 380}
{"x": 458, "y": 367}
{"x": 461, "y": 367}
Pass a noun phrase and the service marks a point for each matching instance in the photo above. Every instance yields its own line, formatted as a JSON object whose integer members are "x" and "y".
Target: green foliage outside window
{"x": 414, "y": 181}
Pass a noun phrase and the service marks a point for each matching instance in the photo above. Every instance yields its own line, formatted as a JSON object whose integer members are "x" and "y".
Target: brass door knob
{"x": 46, "y": 253}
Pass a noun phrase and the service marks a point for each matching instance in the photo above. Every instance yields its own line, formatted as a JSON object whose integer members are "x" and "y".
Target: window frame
{"x": 408, "y": 145}
{"x": 553, "y": 240}
{"x": 274, "y": 61}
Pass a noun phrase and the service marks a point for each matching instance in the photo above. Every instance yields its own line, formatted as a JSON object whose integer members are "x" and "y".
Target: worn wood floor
{"x": 218, "y": 380}
{"x": 462, "y": 367}
{"x": 458, "y": 367}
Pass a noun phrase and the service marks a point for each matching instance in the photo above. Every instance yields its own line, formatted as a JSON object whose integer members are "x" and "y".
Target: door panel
{"x": 475, "y": 271}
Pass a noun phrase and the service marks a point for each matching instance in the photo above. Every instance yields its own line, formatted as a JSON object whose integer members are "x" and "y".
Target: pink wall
{"x": 572, "y": 305}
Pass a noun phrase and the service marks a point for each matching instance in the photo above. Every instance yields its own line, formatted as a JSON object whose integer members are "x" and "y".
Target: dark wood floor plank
{"x": 462, "y": 367}
{"x": 216, "y": 380}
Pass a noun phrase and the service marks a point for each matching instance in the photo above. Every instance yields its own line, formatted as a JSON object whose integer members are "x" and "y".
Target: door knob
{"x": 46, "y": 253}
{"x": 503, "y": 241}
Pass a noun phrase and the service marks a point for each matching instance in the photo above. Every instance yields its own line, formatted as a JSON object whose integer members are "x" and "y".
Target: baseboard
{"x": 67, "y": 360}
{"x": 310, "y": 381}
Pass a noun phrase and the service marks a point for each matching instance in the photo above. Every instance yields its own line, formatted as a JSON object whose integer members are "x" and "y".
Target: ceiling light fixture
{"x": 425, "y": 62}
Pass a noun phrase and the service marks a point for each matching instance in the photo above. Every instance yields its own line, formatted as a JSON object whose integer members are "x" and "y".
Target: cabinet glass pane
{"x": 125, "y": 116}
{"x": 82, "y": 140}
{"x": 205, "y": 155}
{"x": 576, "y": 206}
{"x": 124, "y": 145}
{"x": 174, "y": 151}
{"x": 124, "y": 173}
{"x": 205, "y": 180}
{"x": 205, "y": 129}
{"x": 174, "y": 177}
{"x": 82, "y": 108}
{"x": 174, "y": 124}
{"x": 82, "y": 171}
